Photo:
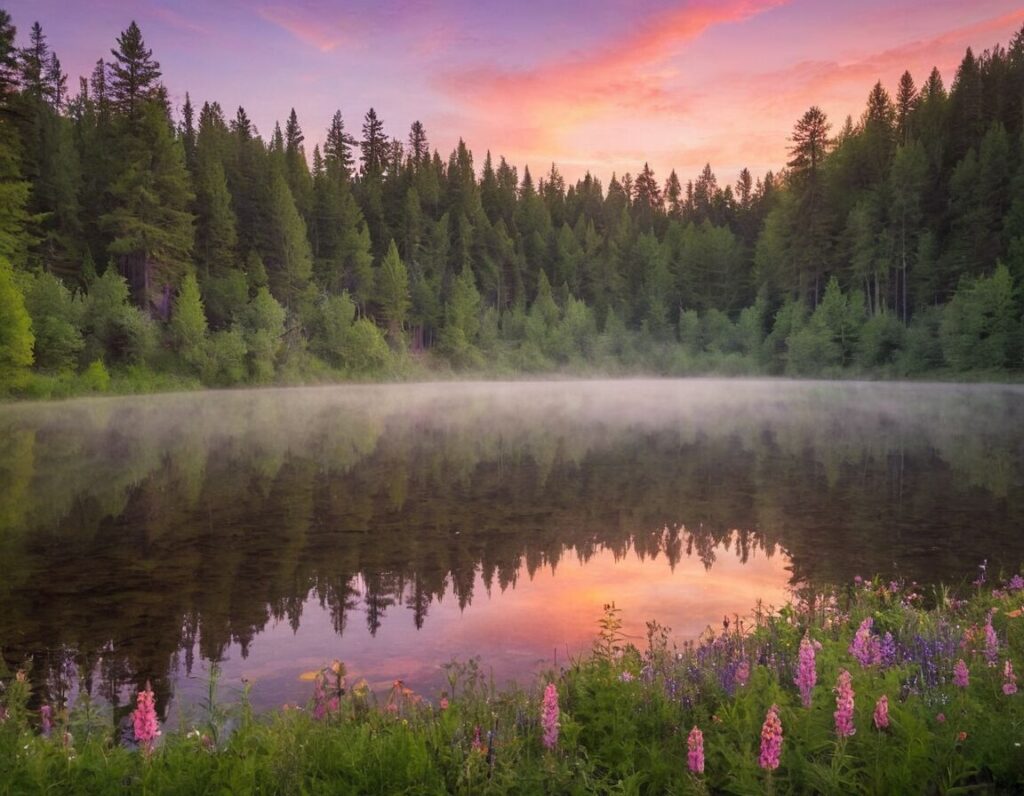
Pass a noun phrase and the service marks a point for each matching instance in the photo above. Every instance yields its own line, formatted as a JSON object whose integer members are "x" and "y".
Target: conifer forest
{"x": 181, "y": 243}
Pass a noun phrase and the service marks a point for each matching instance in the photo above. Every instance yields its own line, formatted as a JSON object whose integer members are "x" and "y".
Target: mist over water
{"x": 396, "y": 526}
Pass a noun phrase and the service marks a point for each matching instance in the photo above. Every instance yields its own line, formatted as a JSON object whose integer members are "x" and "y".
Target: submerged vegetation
{"x": 872, "y": 688}
{"x": 144, "y": 246}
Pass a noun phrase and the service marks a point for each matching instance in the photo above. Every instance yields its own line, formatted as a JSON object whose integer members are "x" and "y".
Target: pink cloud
{"x": 323, "y": 35}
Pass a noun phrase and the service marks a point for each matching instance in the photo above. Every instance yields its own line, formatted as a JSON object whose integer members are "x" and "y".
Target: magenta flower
{"x": 882, "y": 713}
{"x": 991, "y": 642}
{"x": 862, "y": 647}
{"x": 144, "y": 719}
{"x": 549, "y": 716}
{"x": 478, "y": 744}
{"x": 961, "y": 674}
{"x": 1009, "y": 679}
{"x": 695, "y": 751}
{"x": 844, "y": 705}
{"x": 806, "y": 672}
{"x": 771, "y": 740}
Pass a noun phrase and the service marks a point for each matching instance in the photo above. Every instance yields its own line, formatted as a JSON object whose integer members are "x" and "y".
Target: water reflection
{"x": 274, "y": 530}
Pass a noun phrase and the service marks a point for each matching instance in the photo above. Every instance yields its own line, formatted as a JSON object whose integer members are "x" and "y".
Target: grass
{"x": 625, "y": 714}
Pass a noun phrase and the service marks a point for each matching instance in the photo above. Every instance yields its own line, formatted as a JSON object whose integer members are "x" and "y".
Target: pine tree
{"x": 906, "y": 103}
{"x": 338, "y": 150}
{"x": 149, "y": 221}
{"x": 216, "y": 234}
{"x": 810, "y": 146}
{"x": 289, "y": 258}
{"x": 374, "y": 145}
{"x": 419, "y": 149}
{"x": 134, "y": 75}
{"x": 393, "y": 291}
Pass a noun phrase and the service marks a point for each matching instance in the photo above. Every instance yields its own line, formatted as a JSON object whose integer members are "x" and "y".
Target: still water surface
{"x": 396, "y": 527}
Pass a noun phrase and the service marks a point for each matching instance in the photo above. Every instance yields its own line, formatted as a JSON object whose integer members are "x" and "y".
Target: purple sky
{"x": 601, "y": 85}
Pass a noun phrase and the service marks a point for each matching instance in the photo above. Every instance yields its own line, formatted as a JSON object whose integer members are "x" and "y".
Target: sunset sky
{"x": 601, "y": 85}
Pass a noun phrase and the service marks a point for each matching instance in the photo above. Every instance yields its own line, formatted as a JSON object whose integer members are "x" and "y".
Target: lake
{"x": 399, "y": 526}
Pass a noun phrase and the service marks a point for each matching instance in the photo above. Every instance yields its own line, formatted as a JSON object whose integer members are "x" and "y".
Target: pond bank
{"x": 871, "y": 688}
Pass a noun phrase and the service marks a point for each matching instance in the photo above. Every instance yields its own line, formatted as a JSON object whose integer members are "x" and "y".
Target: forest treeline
{"x": 139, "y": 239}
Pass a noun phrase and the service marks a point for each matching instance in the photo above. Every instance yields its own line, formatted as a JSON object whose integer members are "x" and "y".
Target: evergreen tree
{"x": 134, "y": 75}
{"x": 393, "y": 291}
{"x": 149, "y": 223}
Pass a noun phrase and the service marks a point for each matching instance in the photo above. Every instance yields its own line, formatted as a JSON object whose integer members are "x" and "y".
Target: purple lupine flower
{"x": 549, "y": 716}
{"x": 1016, "y": 583}
{"x": 1009, "y": 679}
{"x": 991, "y": 642}
{"x": 861, "y": 647}
{"x": 771, "y": 740}
{"x": 887, "y": 650}
{"x": 695, "y": 751}
{"x": 844, "y": 705}
{"x": 806, "y": 673}
{"x": 881, "y": 716}
{"x": 961, "y": 674}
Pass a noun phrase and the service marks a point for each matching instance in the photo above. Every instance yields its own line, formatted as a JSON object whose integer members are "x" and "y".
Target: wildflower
{"x": 887, "y": 650}
{"x": 861, "y": 647}
{"x": 477, "y": 745}
{"x": 1016, "y": 583}
{"x": 743, "y": 673}
{"x": 991, "y": 642}
{"x": 771, "y": 740}
{"x": 961, "y": 674}
{"x": 940, "y": 718}
{"x": 695, "y": 751}
{"x": 857, "y": 580}
{"x": 144, "y": 720}
{"x": 1009, "y": 679}
{"x": 961, "y": 736}
{"x": 882, "y": 713}
{"x": 627, "y": 677}
{"x": 443, "y": 703}
{"x": 46, "y": 719}
{"x": 844, "y": 705}
{"x": 806, "y": 673}
{"x": 549, "y": 716}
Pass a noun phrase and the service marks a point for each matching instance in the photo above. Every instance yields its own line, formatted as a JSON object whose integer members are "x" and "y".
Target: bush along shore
{"x": 875, "y": 687}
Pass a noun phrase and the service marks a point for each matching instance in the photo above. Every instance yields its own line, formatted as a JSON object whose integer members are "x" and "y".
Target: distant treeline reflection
{"x": 135, "y": 531}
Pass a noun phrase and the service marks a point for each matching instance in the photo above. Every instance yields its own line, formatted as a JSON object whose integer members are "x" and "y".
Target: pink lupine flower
{"x": 1009, "y": 679}
{"x": 862, "y": 647}
{"x": 478, "y": 744}
{"x": 771, "y": 740}
{"x": 743, "y": 673}
{"x": 549, "y": 716}
{"x": 844, "y": 705}
{"x": 940, "y": 718}
{"x": 144, "y": 719}
{"x": 695, "y": 751}
{"x": 882, "y": 713}
{"x": 991, "y": 642}
{"x": 627, "y": 677}
{"x": 806, "y": 672}
{"x": 961, "y": 674}
{"x": 46, "y": 719}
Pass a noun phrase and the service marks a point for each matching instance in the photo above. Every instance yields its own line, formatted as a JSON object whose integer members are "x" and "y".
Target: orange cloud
{"x": 624, "y": 73}
{"x": 817, "y": 81}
